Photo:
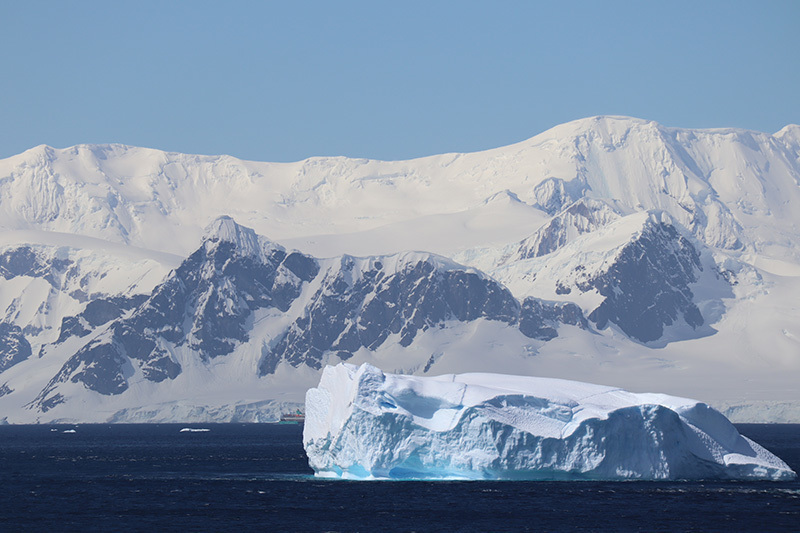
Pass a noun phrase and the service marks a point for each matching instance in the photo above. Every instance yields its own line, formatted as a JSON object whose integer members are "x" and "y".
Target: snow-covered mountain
{"x": 637, "y": 272}
{"x": 610, "y": 250}
{"x": 316, "y": 311}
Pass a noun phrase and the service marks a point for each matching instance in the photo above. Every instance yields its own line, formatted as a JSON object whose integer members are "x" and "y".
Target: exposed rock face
{"x": 636, "y": 271}
{"x": 647, "y": 286}
{"x": 539, "y": 319}
{"x": 25, "y": 261}
{"x": 96, "y": 313}
{"x": 14, "y": 348}
{"x": 204, "y": 304}
{"x": 360, "y": 303}
{"x": 207, "y": 301}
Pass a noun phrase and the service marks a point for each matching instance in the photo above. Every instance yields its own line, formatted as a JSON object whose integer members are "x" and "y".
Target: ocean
{"x": 255, "y": 477}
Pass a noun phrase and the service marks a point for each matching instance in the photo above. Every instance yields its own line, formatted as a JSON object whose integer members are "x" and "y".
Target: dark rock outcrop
{"x": 648, "y": 286}
{"x": 14, "y": 347}
{"x": 27, "y": 261}
{"x": 360, "y": 303}
{"x": 96, "y": 313}
{"x": 204, "y": 304}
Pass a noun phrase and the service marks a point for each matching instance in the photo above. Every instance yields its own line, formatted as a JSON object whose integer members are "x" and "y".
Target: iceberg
{"x": 362, "y": 423}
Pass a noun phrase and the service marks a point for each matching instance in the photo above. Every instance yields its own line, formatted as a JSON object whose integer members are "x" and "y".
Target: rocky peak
{"x": 244, "y": 240}
{"x": 580, "y": 217}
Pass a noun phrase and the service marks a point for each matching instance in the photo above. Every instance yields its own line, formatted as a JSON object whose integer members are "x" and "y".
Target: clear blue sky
{"x": 281, "y": 81}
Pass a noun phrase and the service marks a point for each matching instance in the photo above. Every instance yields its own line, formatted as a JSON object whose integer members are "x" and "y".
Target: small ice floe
{"x": 69, "y": 431}
{"x": 194, "y": 430}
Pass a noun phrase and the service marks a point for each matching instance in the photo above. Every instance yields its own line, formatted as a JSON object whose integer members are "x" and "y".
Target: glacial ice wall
{"x": 362, "y": 424}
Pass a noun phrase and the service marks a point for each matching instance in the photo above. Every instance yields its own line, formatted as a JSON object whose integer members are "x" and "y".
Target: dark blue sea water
{"x": 256, "y": 478}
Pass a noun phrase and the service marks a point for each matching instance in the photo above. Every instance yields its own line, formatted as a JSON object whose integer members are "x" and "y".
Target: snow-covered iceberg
{"x": 362, "y": 423}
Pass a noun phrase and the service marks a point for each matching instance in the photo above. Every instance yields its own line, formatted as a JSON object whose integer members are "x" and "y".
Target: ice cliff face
{"x": 362, "y": 423}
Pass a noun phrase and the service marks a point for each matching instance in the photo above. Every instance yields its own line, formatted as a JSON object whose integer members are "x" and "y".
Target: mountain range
{"x": 140, "y": 286}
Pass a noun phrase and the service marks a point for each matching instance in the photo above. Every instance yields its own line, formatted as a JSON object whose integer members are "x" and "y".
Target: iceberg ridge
{"x": 362, "y": 423}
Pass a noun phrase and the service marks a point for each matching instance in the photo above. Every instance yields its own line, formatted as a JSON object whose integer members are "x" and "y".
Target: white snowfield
{"x": 732, "y": 188}
{"x": 362, "y": 423}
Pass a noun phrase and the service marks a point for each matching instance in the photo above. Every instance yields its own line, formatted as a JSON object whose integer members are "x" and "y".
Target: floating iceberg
{"x": 362, "y": 423}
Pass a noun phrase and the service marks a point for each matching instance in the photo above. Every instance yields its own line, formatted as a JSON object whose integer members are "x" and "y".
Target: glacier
{"x": 362, "y": 423}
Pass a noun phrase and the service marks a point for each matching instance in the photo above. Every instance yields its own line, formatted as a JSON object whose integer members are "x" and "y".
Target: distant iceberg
{"x": 362, "y": 423}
